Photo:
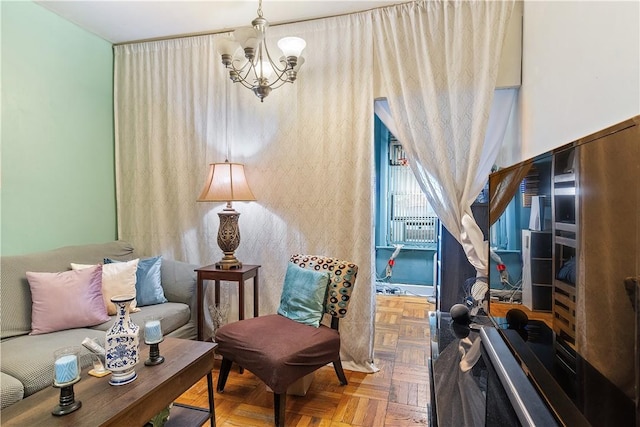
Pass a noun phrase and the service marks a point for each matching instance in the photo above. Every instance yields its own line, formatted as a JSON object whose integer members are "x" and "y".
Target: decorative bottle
{"x": 122, "y": 343}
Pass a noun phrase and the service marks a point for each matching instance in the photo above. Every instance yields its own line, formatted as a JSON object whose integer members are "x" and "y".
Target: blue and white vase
{"x": 122, "y": 343}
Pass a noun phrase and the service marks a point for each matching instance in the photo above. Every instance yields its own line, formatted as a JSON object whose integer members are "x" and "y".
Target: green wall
{"x": 58, "y": 183}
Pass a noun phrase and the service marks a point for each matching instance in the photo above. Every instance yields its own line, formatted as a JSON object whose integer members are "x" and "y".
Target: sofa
{"x": 26, "y": 359}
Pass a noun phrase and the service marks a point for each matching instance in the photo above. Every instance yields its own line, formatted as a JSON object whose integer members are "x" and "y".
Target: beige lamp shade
{"x": 226, "y": 183}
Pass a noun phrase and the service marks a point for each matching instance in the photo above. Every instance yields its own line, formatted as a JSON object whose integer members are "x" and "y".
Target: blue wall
{"x": 513, "y": 261}
{"x": 412, "y": 266}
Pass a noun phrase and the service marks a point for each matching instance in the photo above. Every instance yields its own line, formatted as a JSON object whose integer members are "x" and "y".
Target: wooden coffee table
{"x": 186, "y": 362}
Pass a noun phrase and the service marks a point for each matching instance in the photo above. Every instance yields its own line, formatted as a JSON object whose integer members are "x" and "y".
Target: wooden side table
{"x": 239, "y": 275}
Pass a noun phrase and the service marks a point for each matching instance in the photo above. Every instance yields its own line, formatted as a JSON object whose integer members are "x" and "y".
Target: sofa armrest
{"x": 178, "y": 281}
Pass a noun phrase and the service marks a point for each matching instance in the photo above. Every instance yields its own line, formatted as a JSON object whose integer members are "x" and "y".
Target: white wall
{"x": 581, "y": 70}
{"x": 510, "y": 71}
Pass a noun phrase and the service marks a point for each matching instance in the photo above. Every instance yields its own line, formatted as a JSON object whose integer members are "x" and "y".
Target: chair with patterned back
{"x": 282, "y": 348}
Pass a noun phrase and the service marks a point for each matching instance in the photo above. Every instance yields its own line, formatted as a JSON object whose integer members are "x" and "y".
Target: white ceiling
{"x": 119, "y": 21}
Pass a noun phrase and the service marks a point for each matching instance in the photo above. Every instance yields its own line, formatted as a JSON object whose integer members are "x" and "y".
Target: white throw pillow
{"x": 117, "y": 279}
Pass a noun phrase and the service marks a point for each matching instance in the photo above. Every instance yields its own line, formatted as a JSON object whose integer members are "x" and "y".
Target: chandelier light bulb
{"x": 264, "y": 69}
{"x": 240, "y": 60}
{"x": 227, "y": 46}
{"x": 299, "y": 64}
{"x": 292, "y": 46}
{"x": 248, "y": 37}
{"x": 292, "y": 73}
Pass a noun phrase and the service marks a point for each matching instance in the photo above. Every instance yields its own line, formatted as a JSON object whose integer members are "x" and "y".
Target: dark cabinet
{"x": 588, "y": 361}
{"x": 453, "y": 267}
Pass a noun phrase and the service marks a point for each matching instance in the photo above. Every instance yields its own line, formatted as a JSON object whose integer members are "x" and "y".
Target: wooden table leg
{"x": 255, "y": 296}
{"x": 217, "y": 293}
{"x": 199, "y": 308}
{"x": 241, "y": 300}
{"x": 240, "y": 309}
{"x": 212, "y": 409}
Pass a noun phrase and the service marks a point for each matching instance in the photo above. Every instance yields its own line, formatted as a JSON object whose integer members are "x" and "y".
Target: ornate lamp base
{"x": 225, "y": 264}
{"x": 68, "y": 402}
{"x": 228, "y": 238}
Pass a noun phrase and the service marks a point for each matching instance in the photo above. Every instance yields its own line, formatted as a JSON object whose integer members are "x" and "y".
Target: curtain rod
{"x": 209, "y": 33}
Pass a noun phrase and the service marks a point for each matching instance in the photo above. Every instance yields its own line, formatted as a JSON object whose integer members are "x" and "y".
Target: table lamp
{"x": 226, "y": 182}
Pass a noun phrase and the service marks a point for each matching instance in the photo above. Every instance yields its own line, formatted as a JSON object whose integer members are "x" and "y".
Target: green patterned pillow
{"x": 303, "y": 295}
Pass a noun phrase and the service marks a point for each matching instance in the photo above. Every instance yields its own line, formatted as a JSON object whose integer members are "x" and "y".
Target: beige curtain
{"x": 167, "y": 112}
{"x": 439, "y": 64}
{"x": 502, "y": 187}
{"x": 307, "y": 152}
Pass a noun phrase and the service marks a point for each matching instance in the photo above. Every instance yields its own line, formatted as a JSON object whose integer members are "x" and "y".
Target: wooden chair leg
{"x": 225, "y": 367}
{"x": 337, "y": 366}
{"x": 279, "y": 405}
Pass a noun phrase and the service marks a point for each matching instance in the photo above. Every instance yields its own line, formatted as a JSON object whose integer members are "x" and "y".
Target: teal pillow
{"x": 303, "y": 295}
{"x": 148, "y": 281}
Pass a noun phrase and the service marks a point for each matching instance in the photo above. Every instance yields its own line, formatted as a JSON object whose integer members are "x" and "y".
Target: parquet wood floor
{"x": 396, "y": 396}
{"x": 499, "y": 309}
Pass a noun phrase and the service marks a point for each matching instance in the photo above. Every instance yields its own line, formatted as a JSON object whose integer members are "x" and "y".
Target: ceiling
{"x": 119, "y": 21}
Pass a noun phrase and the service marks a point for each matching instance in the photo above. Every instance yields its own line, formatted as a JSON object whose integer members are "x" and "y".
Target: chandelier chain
{"x": 226, "y": 121}
{"x": 260, "y": 8}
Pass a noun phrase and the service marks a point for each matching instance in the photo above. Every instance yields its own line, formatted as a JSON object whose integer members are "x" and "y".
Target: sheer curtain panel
{"x": 439, "y": 62}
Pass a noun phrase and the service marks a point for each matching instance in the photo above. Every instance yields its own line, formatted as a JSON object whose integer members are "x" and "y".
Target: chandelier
{"x": 247, "y": 57}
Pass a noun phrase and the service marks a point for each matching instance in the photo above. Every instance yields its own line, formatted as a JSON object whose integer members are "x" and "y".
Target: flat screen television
{"x": 565, "y": 243}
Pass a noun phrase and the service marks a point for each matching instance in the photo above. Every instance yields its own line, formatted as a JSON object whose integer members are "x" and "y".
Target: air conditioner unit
{"x": 419, "y": 231}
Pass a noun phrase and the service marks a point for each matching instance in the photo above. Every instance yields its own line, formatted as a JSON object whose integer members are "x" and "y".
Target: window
{"x": 408, "y": 219}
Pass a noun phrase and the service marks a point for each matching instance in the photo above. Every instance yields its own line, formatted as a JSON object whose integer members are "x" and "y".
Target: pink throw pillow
{"x": 66, "y": 300}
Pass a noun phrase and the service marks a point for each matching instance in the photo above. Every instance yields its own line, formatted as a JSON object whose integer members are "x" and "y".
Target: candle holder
{"x": 153, "y": 337}
{"x": 66, "y": 374}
